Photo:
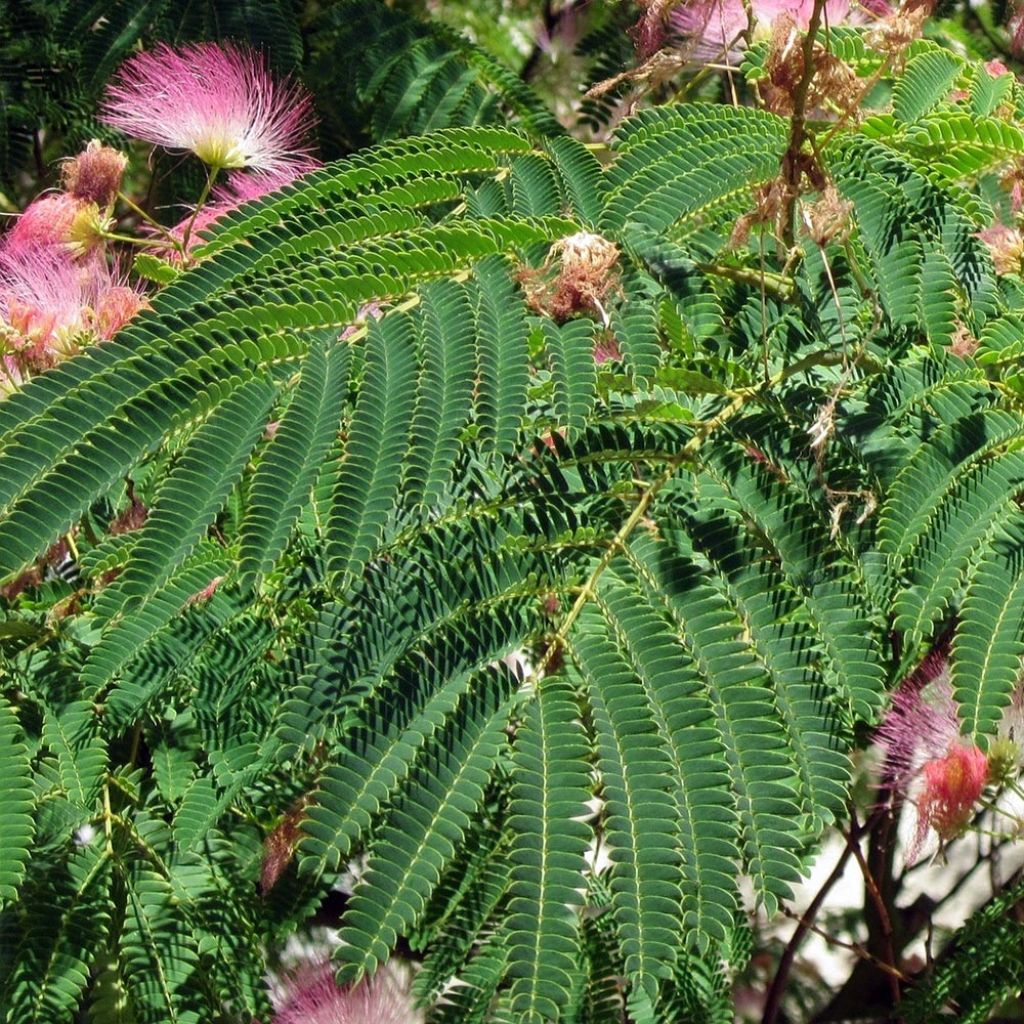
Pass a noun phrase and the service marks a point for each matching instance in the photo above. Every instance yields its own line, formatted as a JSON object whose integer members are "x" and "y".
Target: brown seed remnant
{"x": 279, "y": 846}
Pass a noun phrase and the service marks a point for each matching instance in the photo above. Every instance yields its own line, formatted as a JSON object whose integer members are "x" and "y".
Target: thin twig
{"x": 792, "y": 164}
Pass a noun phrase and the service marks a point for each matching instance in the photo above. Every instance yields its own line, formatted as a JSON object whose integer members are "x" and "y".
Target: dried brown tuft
{"x": 827, "y": 219}
{"x": 835, "y": 83}
{"x": 893, "y": 34}
{"x": 576, "y": 277}
{"x": 963, "y": 343}
{"x": 279, "y": 846}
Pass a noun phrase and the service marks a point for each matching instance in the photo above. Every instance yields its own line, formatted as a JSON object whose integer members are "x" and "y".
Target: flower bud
{"x": 94, "y": 176}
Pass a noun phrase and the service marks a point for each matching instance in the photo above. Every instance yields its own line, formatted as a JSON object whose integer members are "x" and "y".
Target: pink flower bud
{"x": 94, "y": 176}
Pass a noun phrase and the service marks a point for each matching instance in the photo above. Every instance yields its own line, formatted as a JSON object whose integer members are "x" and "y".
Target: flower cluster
{"x": 58, "y": 291}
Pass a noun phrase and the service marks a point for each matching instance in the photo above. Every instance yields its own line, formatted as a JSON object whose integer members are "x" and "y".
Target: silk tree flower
{"x": 310, "y": 995}
{"x": 219, "y": 101}
{"x": 48, "y": 220}
{"x": 928, "y": 762}
{"x": 717, "y": 26}
{"x": 51, "y": 305}
{"x": 42, "y": 303}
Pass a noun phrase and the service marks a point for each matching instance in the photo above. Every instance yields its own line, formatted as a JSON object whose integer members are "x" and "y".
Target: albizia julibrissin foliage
{"x": 501, "y": 547}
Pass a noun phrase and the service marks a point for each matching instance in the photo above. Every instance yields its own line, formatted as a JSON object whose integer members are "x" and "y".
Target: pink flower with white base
{"x": 51, "y": 305}
{"x": 218, "y": 100}
{"x": 42, "y": 303}
{"x": 311, "y": 996}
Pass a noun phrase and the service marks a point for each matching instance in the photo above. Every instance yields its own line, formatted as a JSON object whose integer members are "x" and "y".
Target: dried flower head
{"x": 1005, "y": 246}
{"x": 579, "y": 272}
{"x": 963, "y": 343}
{"x": 279, "y": 845}
{"x": 827, "y": 219}
{"x": 218, "y": 100}
{"x": 835, "y": 83}
{"x": 892, "y": 35}
{"x": 94, "y": 176}
{"x": 311, "y": 996}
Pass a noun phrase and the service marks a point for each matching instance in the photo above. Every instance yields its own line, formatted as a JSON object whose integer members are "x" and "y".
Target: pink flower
{"x": 46, "y": 221}
{"x": 42, "y": 302}
{"x": 219, "y": 101}
{"x": 51, "y": 305}
{"x": 926, "y": 760}
{"x": 951, "y": 787}
{"x": 311, "y": 996}
{"x": 718, "y": 25}
{"x": 1006, "y": 247}
{"x": 113, "y": 306}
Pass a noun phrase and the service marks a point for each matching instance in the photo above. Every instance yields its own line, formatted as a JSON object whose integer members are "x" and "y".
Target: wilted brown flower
{"x": 893, "y": 34}
{"x": 585, "y": 274}
{"x": 834, "y": 83}
{"x": 827, "y": 219}
{"x": 279, "y": 846}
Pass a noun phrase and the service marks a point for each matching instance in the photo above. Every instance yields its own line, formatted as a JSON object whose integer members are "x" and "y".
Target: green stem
{"x": 211, "y": 177}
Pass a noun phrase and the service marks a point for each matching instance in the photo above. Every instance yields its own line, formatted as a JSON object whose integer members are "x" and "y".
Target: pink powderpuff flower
{"x": 48, "y": 220}
{"x": 51, "y": 305}
{"x": 112, "y": 308}
{"x": 928, "y": 763}
{"x": 43, "y": 303}
{"x": 311, "y": 996}
{"x": 717, "y": 26}
{"x": 1006, "y": 247}
{"x": 951, "y": 787}
{"x": 218, "y": 100}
